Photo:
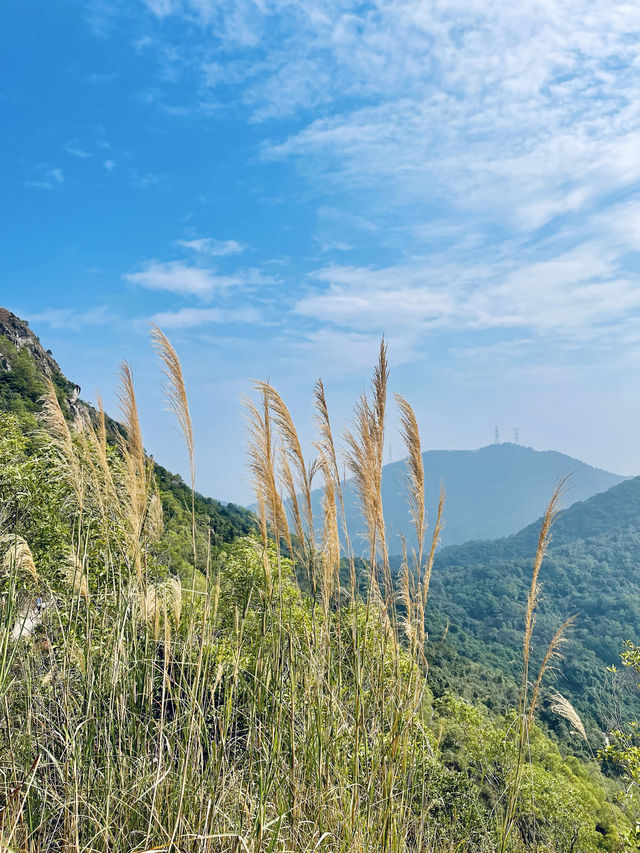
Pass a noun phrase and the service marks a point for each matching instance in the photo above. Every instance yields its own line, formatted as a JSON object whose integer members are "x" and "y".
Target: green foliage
{"x": 216, "y": 523}
{"x": 622, "y": 752}
{"x": 561, "y": 808}
{"x": 21, "y": 391}
{"x": 22, "y": 383}
{"x": 479, "y": 590}
{"x": 32, "y": 501}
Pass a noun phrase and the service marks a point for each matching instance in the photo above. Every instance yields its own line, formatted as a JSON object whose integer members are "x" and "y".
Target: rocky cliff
{"x": 25, "y": 365}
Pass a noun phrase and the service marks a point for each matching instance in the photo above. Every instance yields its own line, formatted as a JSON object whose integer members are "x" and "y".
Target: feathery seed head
{"x": 18, "y": 555}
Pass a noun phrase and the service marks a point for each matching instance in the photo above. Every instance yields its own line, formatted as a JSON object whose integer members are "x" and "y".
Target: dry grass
{"x": 252, "y": 713}
{"x": 176, "y": 392}
{"x": 55, "y": 423}
{"x": 17, "y": 555}
{"x": 137, "y": 482}
{"x": 560, "y": 705}
{"x": 528, "y": 702}
{"x": 74, "y": 575}
{"x": 415, "y": 476}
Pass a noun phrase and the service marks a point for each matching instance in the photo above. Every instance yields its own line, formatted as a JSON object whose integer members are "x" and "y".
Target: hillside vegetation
{"x": 230, "y": 707}
{"x": 592, "y": 570}
{"x": 25, "y": 371}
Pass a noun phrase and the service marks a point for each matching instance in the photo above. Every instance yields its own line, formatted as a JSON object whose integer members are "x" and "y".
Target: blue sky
{"x": 278, "y": 183}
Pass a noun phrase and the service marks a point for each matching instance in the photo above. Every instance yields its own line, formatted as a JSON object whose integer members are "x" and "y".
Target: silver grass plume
{"x": 18, "y": 555}
{"x": 560, "y": 705}
{"x": 55, "y": 423}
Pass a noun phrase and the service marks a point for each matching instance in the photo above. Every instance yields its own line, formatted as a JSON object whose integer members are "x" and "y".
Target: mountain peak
{"x": 18, "y": 332}
{"x": 491, "y": 492}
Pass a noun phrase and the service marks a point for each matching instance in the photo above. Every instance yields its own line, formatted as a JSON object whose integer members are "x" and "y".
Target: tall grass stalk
{"x": 529, "y": 695}
{"x": 258, "y": 703}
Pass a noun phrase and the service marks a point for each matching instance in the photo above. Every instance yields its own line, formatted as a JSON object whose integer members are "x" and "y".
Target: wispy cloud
{"x": 511, "y": 115}
{"x": 73, "y": 148}
{"x": 346, "y": 351}
{"x": 141, "y": 43}
{"x": 190, "y": 318}
{"x": 147, "y": 180}
{"x": 487, "y": 146}
{"x": 581, "y": 293}
{"x": 181, "y": 278}
{"x": 214, "y": 248}
{"x": 73, "y": 320}
{"x": 161, "y": 8}
{"x": 45, "y": 177}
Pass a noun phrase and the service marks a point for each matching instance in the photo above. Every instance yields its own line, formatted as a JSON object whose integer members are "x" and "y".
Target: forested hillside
{"x": 592, "y": 570}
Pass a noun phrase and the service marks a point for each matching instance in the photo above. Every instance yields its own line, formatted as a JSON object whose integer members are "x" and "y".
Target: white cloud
{"x": 512, "y": 113}
{"x": 189, "y": 318}
{"x": 488, "y": 144}
{"x": 141, "y": 43}
{"x": 162, "y": 8}
{"x": 109, "y": 165}
{"x": 492, "y": 107}
{"x": 215, "y": 248}
{"x": 580, "y": 294}
{"x": 182, "y": 278}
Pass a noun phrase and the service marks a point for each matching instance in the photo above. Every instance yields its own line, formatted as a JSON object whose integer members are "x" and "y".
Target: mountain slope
{"x": 24, "y": 366}
{"x": 491, "y": 492}
{"x": 592, "y": 570}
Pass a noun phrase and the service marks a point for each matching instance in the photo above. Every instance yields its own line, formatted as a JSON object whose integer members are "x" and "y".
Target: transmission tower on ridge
{"x": 496, "y": 436}
{"x": 516, "y": 435}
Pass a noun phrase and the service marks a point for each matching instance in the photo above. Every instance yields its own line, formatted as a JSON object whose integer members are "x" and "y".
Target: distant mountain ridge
{"x": 491, "y": 492}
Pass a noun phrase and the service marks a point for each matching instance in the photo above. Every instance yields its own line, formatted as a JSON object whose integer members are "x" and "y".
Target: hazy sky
{"x": 276, "y": 183}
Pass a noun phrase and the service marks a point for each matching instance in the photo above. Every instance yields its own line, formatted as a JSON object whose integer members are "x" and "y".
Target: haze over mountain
{"x": 491, "y": 492}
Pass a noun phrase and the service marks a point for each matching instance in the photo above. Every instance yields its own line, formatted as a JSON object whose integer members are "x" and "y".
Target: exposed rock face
{"x": 17, "y": 331}
{"x": 20, "y": 335}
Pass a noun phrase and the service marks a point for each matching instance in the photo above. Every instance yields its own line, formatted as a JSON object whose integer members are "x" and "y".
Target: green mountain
{"x": 24, "y": 366}
{"x": 592, "y": 570}
{"x": 491, "y": 492}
